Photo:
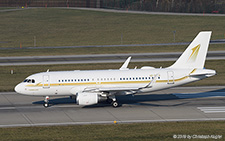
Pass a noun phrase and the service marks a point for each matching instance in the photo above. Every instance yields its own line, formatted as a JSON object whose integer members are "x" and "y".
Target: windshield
{"x": 29, "y": 81}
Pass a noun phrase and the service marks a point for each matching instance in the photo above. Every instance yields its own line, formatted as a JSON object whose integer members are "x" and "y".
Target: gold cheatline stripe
{"x": 192, "y": 71}
{"x": 100, "y": 83}
{"x": 88, "y": 83}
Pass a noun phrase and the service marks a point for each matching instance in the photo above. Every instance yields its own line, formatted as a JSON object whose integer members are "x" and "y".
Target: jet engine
{"x": 89, "y": 98}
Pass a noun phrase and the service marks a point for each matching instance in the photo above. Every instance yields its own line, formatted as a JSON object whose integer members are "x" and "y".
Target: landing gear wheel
{"x": 115, "y": 104}
{"x": 46, "y": 105}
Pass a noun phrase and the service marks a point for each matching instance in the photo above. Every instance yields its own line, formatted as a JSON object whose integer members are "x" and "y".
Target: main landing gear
{"x": 46, "y": 104}
{"x": 115, "y": 104}
{"x": 112, "y": 100}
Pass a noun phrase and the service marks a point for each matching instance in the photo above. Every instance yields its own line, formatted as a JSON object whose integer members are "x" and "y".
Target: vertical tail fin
{"x": 194, "y": 56}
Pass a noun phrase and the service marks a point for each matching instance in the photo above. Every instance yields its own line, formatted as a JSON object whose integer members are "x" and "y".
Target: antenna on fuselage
{"x": 47, "y": 70}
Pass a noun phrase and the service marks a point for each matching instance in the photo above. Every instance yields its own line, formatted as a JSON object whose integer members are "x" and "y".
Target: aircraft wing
{"x": 152, "y": 82}
{"x": 110, "y": 89}
{"x": 103, "y": 89}
{"x": 125, "y": 64}
{"x": 115, "y": 89}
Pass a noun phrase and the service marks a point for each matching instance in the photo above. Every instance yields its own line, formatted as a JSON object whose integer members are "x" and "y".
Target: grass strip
{"x": 135, "y": 131}
{"x": 69, "y": 27}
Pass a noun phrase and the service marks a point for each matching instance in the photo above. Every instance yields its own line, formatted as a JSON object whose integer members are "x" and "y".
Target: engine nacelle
{"x": 147, "y": 68}
{"x": 88, "y": 98}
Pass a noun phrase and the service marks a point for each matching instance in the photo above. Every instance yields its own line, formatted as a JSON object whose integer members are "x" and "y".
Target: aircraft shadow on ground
{"x": 141, "y": 99}
{"x": 215, "y": 93}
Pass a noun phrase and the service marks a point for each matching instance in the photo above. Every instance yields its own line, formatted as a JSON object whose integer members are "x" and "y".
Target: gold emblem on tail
{"x": 194, "y": 53}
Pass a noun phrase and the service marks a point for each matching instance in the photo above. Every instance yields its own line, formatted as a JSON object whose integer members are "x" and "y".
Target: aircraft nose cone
{"x": 18, "y": 88}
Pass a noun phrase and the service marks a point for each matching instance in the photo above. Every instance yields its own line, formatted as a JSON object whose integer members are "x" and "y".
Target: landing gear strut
{"x": 46, "y": 104}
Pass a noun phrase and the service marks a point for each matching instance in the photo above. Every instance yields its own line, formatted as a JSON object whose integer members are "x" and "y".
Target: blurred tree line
{"x": 51, "y": 3}
{"x": 183, "y": 6}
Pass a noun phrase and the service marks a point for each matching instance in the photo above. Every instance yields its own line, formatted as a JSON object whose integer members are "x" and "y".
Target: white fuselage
{"x": 63, "y": 83}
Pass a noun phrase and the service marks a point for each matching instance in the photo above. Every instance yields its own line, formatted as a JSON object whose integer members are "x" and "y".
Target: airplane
{"x": 91, "y": 87}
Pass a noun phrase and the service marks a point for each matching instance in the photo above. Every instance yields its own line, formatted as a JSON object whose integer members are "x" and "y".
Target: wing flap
{"x": 115, "y": 89}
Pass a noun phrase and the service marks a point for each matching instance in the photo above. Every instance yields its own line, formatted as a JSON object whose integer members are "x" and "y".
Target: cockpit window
{"x": 29, "y": 81}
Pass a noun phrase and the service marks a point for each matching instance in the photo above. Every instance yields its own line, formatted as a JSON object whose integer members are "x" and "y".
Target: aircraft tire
{"x": 46, "y": 105}
{"x": 115, "y": 104}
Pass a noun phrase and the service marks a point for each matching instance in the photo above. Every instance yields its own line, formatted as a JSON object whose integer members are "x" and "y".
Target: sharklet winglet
{"x": 125, "y": 64}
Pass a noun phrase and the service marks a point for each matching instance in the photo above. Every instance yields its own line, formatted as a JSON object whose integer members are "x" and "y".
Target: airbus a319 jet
{"x": 93, "y": 86}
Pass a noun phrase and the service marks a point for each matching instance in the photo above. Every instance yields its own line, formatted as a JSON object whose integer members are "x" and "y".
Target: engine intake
{"x": 89, "y": 98}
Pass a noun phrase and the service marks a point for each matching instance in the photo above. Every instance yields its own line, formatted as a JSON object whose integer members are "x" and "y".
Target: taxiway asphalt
{"x": 100, "y": 58}
{"x": 176, "y": 104}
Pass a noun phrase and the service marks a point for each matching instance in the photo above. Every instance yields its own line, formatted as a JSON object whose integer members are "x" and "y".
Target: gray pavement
{"x": 100, "y": 58}
{"x": 220, "y": 41}
{"x": 176, "y": 104}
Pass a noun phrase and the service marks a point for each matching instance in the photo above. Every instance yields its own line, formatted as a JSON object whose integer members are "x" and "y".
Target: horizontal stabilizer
{"x": 201, "y": 72}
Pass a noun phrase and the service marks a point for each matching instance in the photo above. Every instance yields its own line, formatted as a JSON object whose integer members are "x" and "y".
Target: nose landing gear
{"x": 46, "y": 104}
